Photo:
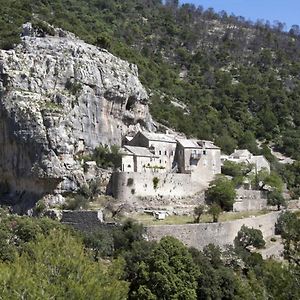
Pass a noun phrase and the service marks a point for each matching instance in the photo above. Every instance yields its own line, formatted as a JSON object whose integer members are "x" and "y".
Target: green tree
{"x": 249, "y": 237}
{"x": 276, "y": 198}
{"x": 262, "y": 179}
{"x": 215, "y": 211}
{"x": 166, "y": 272}
{"x": 57, "y": 266}
{"x": 239, "y": 171}
{"x": 222, "y": 192}
{"x": 198, "y": 211}
{"x": 234, "y": 169}
{"x": 288, "y": 225}
{"x": 127, "y": 234}
{"x": 107, "y": 157}
{"x": 281, "y": 281}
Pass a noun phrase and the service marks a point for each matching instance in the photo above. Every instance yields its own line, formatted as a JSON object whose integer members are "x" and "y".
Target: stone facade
{"x": 182, "y": 167}
{"x": 244, "y": 156}
{"x": 137, "y": 159}
{"x": 249, "y": 200}
{"x": 162, "y": 146}
{"x": 128, "y": 186}
{"x": 221, "y": 234}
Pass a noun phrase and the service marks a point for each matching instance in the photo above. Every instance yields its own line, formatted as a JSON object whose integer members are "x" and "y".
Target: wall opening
{"x": 130, "y": 103}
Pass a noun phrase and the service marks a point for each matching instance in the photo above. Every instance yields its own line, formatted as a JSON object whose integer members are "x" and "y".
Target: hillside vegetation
{"x": 238, "y": 81}
{"x": 42, "y": 259}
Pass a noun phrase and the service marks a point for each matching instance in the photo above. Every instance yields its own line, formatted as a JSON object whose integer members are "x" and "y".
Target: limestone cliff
{"x": 60, "y": 96}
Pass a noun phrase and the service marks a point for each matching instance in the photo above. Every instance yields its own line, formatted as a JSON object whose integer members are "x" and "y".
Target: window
{"x": 160, "y": 161}
{"x": 204, "y": 152}
{"x": 172, "y": 152}
{"x": 159, "y": 152}
{"x": 165, "y": 152}
{"x": 129, "y": 166}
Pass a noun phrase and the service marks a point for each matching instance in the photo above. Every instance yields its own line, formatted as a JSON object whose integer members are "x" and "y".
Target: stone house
{"x": 156, "y": 152}
{"x": 198, "y": 157}
{"x": 245, "y": 156}
{"x": 162, "y": 146}
{"x": 137, "y": 159}
{"x": 164, "y": 166}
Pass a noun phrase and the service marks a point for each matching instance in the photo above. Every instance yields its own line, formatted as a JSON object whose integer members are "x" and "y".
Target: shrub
{"x": 215, "y": 211}
{"x": 247, "y": 237}
{"x": 40, "y": 207}
{"x": 76, "y": 203}
{"x": 73, "y": 87}
{"x": 276, "y": 198}
{"x": 42, "y": 28}
{"x": 155, "y": 182}
{"x": 284, "y": 222}
{"x": 106, "y": 157}
{"x": 198, "y": 211}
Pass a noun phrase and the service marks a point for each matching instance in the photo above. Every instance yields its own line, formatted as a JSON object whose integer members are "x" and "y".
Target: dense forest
{"x": 42, "y": 259}
{"x": 210, "y": 75}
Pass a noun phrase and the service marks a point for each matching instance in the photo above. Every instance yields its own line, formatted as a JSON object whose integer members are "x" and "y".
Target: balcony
{"x": 196, "y": 156}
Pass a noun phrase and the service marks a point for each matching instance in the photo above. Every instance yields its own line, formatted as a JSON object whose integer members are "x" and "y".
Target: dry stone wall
{"x": 221, "y": 234}
{"x": 249, "y": 200}
{"x": 83, "y": 220}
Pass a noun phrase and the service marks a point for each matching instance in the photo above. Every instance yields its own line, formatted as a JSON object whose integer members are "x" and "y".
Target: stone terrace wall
{"x": 86, "y": 220}
{"x": 249, "y": 200}
{"x": 200, "y": 235}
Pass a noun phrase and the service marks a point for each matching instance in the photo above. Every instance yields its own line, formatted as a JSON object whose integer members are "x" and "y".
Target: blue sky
{"x": 286, "y": 11}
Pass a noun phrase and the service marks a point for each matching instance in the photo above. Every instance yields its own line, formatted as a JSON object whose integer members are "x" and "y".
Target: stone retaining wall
{"x": 128, "y": 186}
{"x": 200, "y": 235}
{"x": 86, "y": 220}
{"x": 249, "y": 200}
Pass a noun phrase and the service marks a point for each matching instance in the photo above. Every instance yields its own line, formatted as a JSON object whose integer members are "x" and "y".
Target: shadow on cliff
{"x": 19, "y": 202}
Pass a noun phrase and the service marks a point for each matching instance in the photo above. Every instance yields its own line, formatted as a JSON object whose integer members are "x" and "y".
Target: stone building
{"x": 198, "y": 157}
{"x": 137, "y": 159}
{"x": 161, "y": 145}
{"x": 244, "y": 156}
{"x": 180, "y": 167}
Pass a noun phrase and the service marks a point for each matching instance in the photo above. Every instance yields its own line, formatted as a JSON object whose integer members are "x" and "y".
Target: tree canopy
{"x": 221, "y": 191}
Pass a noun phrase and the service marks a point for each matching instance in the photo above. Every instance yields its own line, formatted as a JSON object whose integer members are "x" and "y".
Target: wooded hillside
{"x": 235, "y": 81}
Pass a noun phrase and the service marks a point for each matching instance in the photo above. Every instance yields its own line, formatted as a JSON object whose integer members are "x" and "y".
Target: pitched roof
{"x": 161, "y": 137}
{"x": 129, "y": 138}
{"x": 207, "y": 144}
{"x": 138, "y": 151}
{"x": 241, "y": 152}
{"x": 185, "y": 143}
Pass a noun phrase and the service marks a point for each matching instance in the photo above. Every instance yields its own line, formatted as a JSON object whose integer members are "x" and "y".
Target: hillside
{"x": 238, "y": 81}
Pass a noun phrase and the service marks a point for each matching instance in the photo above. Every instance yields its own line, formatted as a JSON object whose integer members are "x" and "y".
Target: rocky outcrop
{"x": 58, "y": 97}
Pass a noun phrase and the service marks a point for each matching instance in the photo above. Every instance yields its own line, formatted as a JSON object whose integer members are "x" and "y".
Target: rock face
{"x": 58, "y": 97}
